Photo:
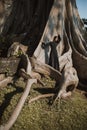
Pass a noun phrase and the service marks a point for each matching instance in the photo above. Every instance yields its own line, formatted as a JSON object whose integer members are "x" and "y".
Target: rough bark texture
{"x": 35, "y": 22}
{"x": 70, "y": 27}
{"x": 25, "y": 22}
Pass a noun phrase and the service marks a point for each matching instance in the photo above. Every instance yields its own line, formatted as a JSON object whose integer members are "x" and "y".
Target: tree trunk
{"x": 27, "y": 20}
{"x": 35, "y": 24}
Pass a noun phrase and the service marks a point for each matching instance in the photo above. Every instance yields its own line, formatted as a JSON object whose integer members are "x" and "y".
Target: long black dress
{"x": 53, "y": 61}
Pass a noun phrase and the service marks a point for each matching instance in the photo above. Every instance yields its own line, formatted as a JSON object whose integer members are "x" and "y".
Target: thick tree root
{"x": 19, "y": 106}
{"x": 2, "y": 76}
{"x": 5, "y": 81}
{"x": 64, "y": 21}
{"x": 41, "y": 96}
{"x": 69, "y": 82}
{"x": 23, "y": 74}
{"x": 45, "y": 69}
{"x": 21, "y": 102}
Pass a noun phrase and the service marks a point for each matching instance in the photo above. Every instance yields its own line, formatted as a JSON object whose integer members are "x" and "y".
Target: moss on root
{"x": 68, "y": 114}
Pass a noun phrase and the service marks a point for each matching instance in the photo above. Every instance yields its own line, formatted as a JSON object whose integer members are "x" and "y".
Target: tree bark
{"x": 27, "y": 20}
{"x": 36, "y": 22}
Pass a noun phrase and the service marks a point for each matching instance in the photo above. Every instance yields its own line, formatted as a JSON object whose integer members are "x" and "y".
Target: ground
{"x": 70, "y": 114}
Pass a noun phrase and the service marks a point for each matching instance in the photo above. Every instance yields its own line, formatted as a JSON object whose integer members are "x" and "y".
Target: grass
{"x": 70, "y": 114}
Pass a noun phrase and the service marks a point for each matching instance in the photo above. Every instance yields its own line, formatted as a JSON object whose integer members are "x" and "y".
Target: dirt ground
{"x": 69, "y": 114}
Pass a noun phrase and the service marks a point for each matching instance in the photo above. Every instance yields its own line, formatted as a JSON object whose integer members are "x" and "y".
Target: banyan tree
{"x": 42, "y": 37}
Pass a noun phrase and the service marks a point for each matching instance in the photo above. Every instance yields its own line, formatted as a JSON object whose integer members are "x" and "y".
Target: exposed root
{"x": 41, "y": 96}
{"x": 69, "y": 82}
{"x": 63, "y": 95}
{"x": 2, "y": 76}
{"x": 19, "y": 106}
{"x": 64, "y": 21}
{"x": 5, "y": 81}
{"x": 33, "y": 75}
{"x": 45, "y": 69}
{"x": 21, "y": 102}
